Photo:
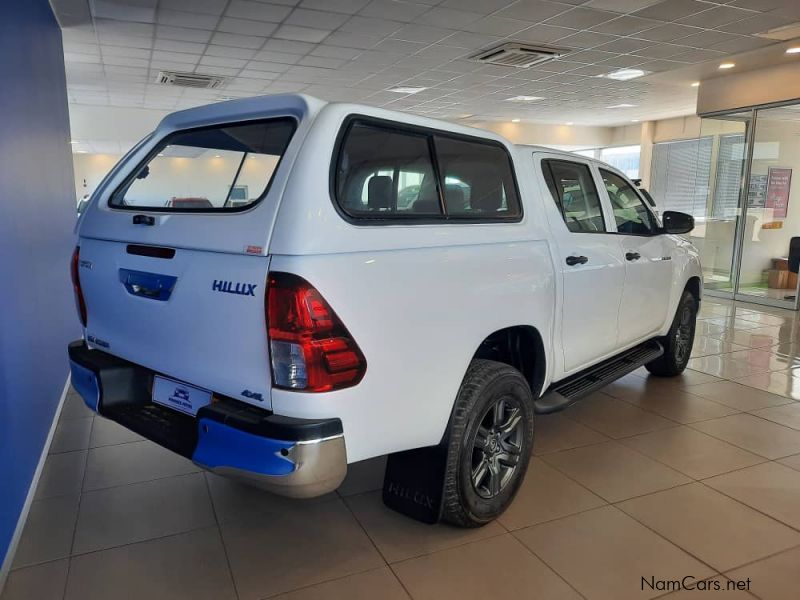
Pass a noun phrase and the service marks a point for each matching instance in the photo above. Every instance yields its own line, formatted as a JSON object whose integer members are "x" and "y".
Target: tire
{"x": 678, "y": 342}
{"x": 495, "y": 455}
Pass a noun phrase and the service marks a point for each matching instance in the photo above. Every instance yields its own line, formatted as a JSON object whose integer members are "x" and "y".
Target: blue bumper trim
{"x": 219, "y": 445}
{"x": 85, "y": 383}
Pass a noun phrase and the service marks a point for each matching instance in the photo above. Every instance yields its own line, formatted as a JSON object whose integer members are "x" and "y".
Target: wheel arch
{"x": 519, "y": 346}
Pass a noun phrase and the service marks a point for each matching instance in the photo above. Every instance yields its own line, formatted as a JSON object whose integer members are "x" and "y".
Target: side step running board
{"x": 563, "y": 393}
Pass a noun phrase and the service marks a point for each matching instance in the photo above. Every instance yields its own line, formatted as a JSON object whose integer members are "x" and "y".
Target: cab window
{"x": 630, "y": 213}
{"x": 575, "y": 194}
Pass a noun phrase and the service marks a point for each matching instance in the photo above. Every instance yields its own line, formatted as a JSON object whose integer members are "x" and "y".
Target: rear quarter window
{"x": 212, "y": 169}
{"x": 396, "y": 172}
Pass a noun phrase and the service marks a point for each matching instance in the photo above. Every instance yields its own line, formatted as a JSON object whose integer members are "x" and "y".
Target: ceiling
{"x": 358, "y": 50}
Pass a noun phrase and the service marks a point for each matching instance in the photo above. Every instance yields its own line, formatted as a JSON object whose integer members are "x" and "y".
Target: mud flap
{"x": 414, "y": 482}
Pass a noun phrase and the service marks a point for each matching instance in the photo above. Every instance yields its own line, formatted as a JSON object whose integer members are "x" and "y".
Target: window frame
{"x": 429, "y": 133}
{"x": 658, "y": 227}
{"x": 545, "y": 162}
{"x": 122, "y": 188}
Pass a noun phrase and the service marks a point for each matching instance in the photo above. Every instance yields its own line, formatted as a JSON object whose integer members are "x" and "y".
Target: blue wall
{"x": 37, "y": 215}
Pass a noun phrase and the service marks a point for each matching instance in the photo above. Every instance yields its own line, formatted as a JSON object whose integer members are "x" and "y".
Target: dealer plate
{"x": 179, "y": 396}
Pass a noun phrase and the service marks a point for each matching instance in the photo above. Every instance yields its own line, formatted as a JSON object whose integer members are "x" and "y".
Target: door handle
{"x": 577, "y": 260}
{"x": 632, "y": 256}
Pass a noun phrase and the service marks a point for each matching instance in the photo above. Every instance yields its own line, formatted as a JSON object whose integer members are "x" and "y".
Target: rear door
{"x": 648, "y": 260}
{"x": 173, "y": 261}
{"x": 590, "y": 262}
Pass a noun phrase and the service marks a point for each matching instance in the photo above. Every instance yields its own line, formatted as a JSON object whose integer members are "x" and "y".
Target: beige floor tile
{"x": 754, "y": 338}
{"x": 709, "y": 326}
{"x": 774, "y": 578}
{"x": 135, "y": 462}
{"x": 108, "y": 433}
{"x": 363, "y": 476}
{"x": 62, "y": 474}
{"x": 691, "y": 452}
{"x": 189, "y": 565}
{"x": 771, "y": 488}
{"x": 719, "y": 531}
{"x": 783, "y": 383}
{"x": 378, "y": 583}
{"x": 141, "y": 511}
{"x": 48, "y": 531}
{"x": 547, "y": 494}
{"x": 71, "y": 435}
{"x": 399, "y": 537}
{"x": 74, "y": 407}
{"x": 724, "y": 367}
{"x": 714, "y": 587}
{"x": 706, "y": 346}
{"x": 636, "y": 385}
{"x": 737, "y": 396}
{"x": 497, "y": 568}
{"x": 765, "y": 359}
{"x": 680, "y": 405}
{"x": 558, "y": 431}
{"x": 604, "y": 553}
{"x": 756, "y": 435}
{"x": 787, "y": 414}
{"x": 276, "y": 552}
{"x": 734, "y": 323}
{"x": 765, "y": 319}
{"x": 615, "y": 472}
{"x": 41, "y": 582}
{"x": 615, "y": 418}
{"x": 236, "y": 500}
{"x": 791, "y": 461}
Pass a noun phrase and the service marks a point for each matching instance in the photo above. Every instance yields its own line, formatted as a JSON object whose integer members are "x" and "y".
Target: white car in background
{"x": 320, "y": 322}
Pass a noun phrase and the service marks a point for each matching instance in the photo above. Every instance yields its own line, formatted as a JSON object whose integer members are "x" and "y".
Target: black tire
{"x": 477, "y": 443}
{"x": 678, "y": 342}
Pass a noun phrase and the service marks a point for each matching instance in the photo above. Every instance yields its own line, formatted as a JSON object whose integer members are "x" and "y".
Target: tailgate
{"x": 197, "y": 317}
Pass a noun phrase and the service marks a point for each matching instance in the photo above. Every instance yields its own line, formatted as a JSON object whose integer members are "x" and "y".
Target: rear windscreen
{"x": 220, "y": 168}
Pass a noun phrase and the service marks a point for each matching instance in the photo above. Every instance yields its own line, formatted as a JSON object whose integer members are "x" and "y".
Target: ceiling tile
{"x": 625, "y": 25}
{"x": 586, "y": 39}
{"x": 479, "y": 6}
{"x": 219, "y": 61}
{"x": 292, "y": 47}
{"x": 624, "y": 45}
{"x": 497, "y": 26}
{"x": 316, "y": 19}
{"x": 449, "y": 18}
{"x": 714, "y": 17}
{"x": 473, "y": 41}
{"x": 421, "y": 33}
{"x": 245, "y": 27}
{"x": 621, "y": 6}
{"x": 186, "y": 19}
{"x": 341, "y": 6}
{"x": 211, "y": 7}
{"x": 143, "y": 11}
{"x": 230, "y": 52}
{"x": 301, "y": 34}
{"x": 543, "y": 34}
{"x": 706, "y": 39}
{"x": 352, "y": 40}
{"x": 326, "y": 51}
{"x": 671, "y": 10}
{"x": 243, "y": 9}
{"x": 183, "y": 34}
{"x": 370, "y": 26}
{"x": 668, "y": 33}
{"x": 741, "y": 44}
{"x": 394, "y": 10}
{"x": 238, "y": 41}
{"x": 160, "y": 56}
{"x": 660, "y": 51}
{"x": 533, "y": 10}
{"x": 582, "y": 18}
{"x": 756, "y": 24}
{"x": 122, "y": 51}
{"x": 175, "y": 46}
{"x": 271, "y": 67}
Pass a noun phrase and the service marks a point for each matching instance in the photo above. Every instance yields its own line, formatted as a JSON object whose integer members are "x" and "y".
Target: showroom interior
{"x": 646, "y": 482}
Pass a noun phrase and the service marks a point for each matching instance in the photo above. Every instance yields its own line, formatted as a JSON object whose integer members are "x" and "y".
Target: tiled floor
{"x": 651, "y": 478}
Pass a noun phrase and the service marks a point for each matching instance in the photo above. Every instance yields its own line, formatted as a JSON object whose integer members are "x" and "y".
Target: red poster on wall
{"x": 779, "y": 182}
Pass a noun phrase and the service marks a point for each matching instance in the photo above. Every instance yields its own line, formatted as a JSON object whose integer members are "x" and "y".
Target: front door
{"x": 590, "y": 260}
{"x": 648, "y": 261}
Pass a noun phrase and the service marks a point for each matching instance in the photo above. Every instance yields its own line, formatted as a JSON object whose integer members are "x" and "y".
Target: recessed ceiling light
{"x": 625, "y": 74}
{"x": 515, "y": 120}
{"x": 634, "y": 120}
{"x": 727, "y": 65}
{"x": 793, "y": 50}
{"x": 696, "y": 84}
{"x": 407, "y": 90}
{"x": 524, "y": 98}
{"x": 80, "y": 152}
{"x": 569, "y": 123}
{"x": 217, "y": 156}
{"x": 623, "y": 105}
{"x": 161, "y": 154}
{"x": 74, "y": 142}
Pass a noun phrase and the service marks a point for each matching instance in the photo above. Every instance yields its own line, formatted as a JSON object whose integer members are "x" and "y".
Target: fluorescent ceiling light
{"x": 569, "y": 123}
{"x": 696, "y": 84}
{"x": 625, "y": 74}
{"x": 74, "y": 142}
{"x": 793, "y": 50}
{"x": 634, "y": 120}
{"x": 407, "y": 90}
{"x": 727, "y": 65}
{"x": 515, "y": 120}
{"x": 623, "y": 105}
{"x": 80, "y": 151}
{"x": 524, "y": 98}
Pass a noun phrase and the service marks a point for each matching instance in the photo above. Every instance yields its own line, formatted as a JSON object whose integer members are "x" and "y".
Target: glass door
{"x": 770, "y": 253}
{"x": 719, "y": 225}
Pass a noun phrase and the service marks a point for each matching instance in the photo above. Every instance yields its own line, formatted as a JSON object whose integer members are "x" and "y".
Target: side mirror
{"x": 677, "y": 222}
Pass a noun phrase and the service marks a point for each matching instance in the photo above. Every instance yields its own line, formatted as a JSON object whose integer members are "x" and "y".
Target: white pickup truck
{"x": 276, "y": 287}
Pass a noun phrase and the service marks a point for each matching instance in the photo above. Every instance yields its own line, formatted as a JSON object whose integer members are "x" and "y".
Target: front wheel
{"x": 678, "y": 342}
{"x": 489, "y": 443}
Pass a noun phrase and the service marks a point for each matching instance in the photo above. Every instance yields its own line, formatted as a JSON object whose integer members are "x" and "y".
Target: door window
{"x": 575, "y": 194}
{"x": 630, "y": 213}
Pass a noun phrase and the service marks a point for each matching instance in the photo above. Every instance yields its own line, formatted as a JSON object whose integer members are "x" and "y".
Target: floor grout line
{"x": 221, "y": 537}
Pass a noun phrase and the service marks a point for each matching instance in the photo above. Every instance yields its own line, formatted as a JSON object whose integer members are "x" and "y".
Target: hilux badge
{"x": 229, "y": 287}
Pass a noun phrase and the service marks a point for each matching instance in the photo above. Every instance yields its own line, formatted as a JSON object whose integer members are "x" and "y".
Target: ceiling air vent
{"x": 191, "y": 80}
{"x": 518, "y": 55}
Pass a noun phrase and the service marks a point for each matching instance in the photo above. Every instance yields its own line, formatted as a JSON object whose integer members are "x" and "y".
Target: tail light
{"x": 310, "y": 348}
{"x": 80, "y": 304}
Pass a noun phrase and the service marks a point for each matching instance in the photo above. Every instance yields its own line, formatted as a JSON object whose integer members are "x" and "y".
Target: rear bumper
{"x": 293, "y": 457}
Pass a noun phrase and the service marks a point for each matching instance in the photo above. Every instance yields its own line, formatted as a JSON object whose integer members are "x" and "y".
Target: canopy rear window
{"x": 213, "y": 169}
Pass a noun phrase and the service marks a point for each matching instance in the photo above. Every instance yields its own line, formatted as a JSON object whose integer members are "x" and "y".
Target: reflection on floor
{"x": 652, "y": 478}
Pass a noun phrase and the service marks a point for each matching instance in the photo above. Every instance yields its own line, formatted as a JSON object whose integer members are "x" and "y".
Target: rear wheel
{"x": 489, "y": 443}
{"x": 678, "y": 342}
